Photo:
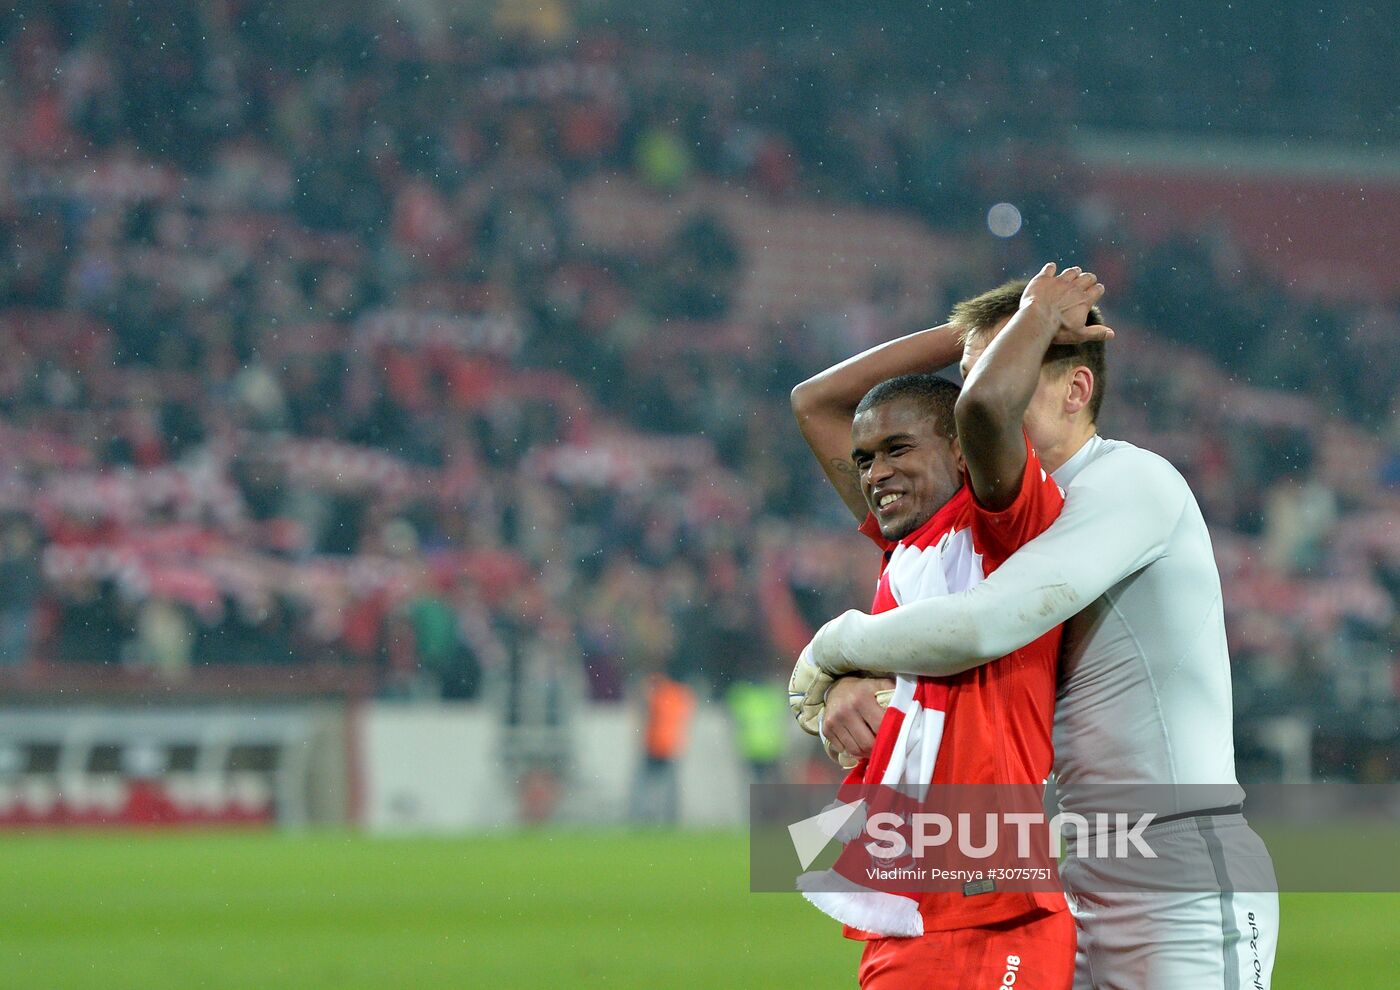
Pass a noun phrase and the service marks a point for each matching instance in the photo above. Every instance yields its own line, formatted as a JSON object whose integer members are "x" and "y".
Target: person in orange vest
{"x": 670, "y": 705}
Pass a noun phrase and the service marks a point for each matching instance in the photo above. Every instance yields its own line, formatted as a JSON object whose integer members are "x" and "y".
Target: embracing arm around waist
{"x": 1118, "y": 517}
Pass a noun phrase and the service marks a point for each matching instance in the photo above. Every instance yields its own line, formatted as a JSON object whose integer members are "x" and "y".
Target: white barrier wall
{"x": 429, "y": 767}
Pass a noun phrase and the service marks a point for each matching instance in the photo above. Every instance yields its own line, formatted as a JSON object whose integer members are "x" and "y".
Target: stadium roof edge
{"x": 1273, "y": 157}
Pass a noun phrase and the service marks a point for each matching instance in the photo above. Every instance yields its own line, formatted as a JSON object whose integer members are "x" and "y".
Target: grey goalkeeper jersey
{"x": 1144, "y": 694}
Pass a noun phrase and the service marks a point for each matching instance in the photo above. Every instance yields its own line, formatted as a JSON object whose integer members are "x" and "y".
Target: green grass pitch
{"x": 528, "y": 909}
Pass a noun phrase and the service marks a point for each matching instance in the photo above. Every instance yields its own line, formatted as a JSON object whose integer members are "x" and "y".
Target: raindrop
{"x": 1004, "y": 220}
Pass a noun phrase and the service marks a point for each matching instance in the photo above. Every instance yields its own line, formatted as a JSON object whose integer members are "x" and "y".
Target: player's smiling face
{"x": 908, "y": 469}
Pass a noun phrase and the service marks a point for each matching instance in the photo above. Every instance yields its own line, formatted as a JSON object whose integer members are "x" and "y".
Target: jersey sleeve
{"x": 1119, "y": 516}
{"x": 998, "y": 535}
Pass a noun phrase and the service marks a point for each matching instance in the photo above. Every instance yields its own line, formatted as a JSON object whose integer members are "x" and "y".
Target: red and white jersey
{"x": 987, "y": 725}
{"x": 953, "y": 552}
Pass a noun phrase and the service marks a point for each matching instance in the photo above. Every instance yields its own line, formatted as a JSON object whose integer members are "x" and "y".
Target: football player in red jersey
{"x": 948, "y": 486}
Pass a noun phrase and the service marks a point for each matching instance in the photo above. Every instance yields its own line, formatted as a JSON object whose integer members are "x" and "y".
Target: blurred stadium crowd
{"x": 406, "y": 364}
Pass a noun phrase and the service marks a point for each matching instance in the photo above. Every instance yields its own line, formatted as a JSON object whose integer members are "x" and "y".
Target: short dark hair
{"x": 972, "y": 318}
{"x": 936, "y": 394}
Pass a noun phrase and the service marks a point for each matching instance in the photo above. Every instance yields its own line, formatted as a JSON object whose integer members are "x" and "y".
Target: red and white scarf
{"x": 930, "y": 562}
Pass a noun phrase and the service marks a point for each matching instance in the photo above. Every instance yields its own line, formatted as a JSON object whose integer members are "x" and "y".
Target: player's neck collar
{"x": 939, "y": 521}
{"x": 1065, "y": 473}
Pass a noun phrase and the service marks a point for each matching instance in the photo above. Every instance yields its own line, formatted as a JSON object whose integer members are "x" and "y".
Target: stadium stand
{"x": 412, "y": 370}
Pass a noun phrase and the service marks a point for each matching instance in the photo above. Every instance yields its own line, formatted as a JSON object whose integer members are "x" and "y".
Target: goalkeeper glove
{"x": 807, "y": 692}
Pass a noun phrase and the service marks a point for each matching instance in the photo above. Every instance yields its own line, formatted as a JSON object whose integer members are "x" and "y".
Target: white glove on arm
{"x": 937, "y": 637}
{"x": 828, "y": 647}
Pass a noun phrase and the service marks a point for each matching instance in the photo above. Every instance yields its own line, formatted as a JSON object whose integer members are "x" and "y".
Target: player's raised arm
{"x": 826, "y": 403}
{"x": 1002, "y": 379}
{"x": 1119, "y": 515}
